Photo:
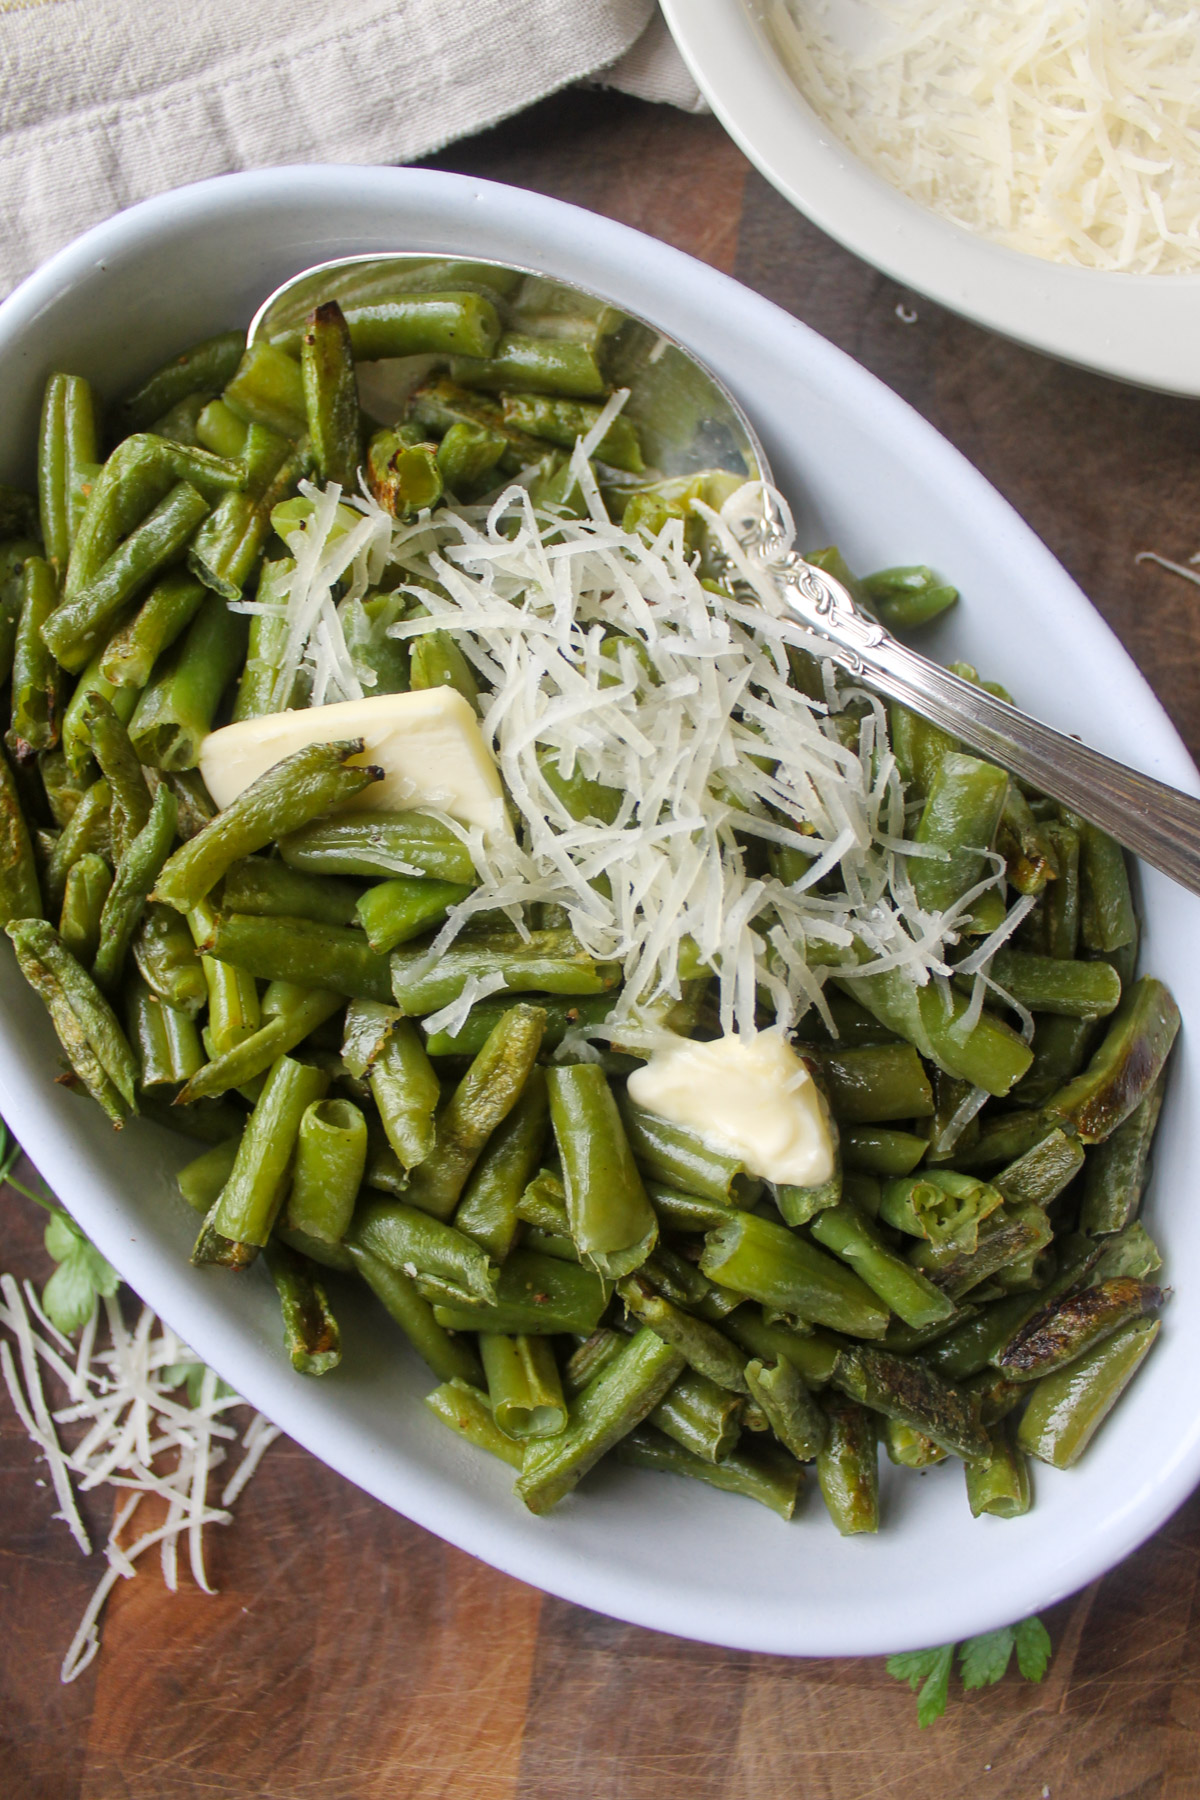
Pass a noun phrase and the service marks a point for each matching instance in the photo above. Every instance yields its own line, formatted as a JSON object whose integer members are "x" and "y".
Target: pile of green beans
{"x": 580, "y": 1275}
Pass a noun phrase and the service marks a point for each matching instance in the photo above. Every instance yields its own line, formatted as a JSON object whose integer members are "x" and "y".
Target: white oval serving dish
{"x": 865, "y": 471}
{"x": 1139, "y": 328}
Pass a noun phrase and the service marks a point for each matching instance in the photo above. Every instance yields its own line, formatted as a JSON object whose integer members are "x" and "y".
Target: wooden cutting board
{"x": 351, "y": 1656}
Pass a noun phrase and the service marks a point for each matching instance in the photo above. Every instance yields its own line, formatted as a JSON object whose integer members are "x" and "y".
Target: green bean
{"x": 1047, "y": 984}
{"x": 130, "y": 795}
{"x": 697, "y": 1414}
{"x": 270, "y": 889}
{"x": 905, "y": 1291}
{"x": 179, "y": 421}
{"x": 792, "y": 1413}
{"x": 87, "y": 832}
{"x": 482, "y": 1100}
{"x": 88, "y": 883}
{"x": 302, "y": 951}
{"x": 1115, "y": 1171}
{"x": 253, "y": 1055}
{"x": 848, "y": 1467}
{"x": 533, "y": 365}
{"x": 220, "y": 430}
{"x": 331, "y": 395}
{"x": 13, "y": 557}
{"x": 876, "y": 1150}
{"x": 988, "y": 1056}
{"x": 406, "y": 1238}
{"x": 288, "y": 795}
{"x": 394, "y": 911}
{"x": 687, "y": 1212}
{"x": 1060, "y": 1049}
{"x": 136, "y": 478}
{"x": 562, "y": 1015}
{"x": 909, "y": 1448}
{"x": 701, "y": 1345}
{"x": 768, "y": 1475}
{"x": 903, "y": 598}
{"x": 76, "y": 739}
{"x": 136, "y": 874}
{"x": 1107, "y": 920}
{"x": 380, "y": 660}
{"x": 1068, "y": 1407}
{"x": 63, "y": 790}
{"x": 200, "y": 1181}
{"x": 1059, "y": 1334}
{"x": 536, "y": 1294}
{"x": 130, "y": 654}
{"x": 875, "y": 1083}
{"x": 233, "y": 1009}
{"x": 467, "y": 1413}
{"x": 523, "y": 1386}
{"x": 267, "y": 388}
{"x": 262, "y": 688}
{"x": 87, "y": 1027}
{"x": 448, "y": 1357}
{"x": 226, "y": 548}
{"x": 175, "y": 713}
{"x": 543, "y": 1202}
{"x": 546, "y": 960}
{"x": 20, "y": 897}
{"x": 770, "y": 1264}
{"x": 435, "y": 660}
{"x": 380, "y": 844}
{"x": 1129, "y": 1252}
{"x": 960, "y": 819}
{"x": 166, "y": 1041}
{"x": 1031, "y": 851}
{"x": 563, "y": 422}
{"x": 467, "y": 454}
{"x": 487, "y": 1211}
{"x": 166, "y": 957}
{"x": 403, "y": 1084}
{"x": 616, "y": 1401}
{"x": 78, "y": 627}
{"x": 256, "y": 1189}
{"x": 36, "y": 683}
{"x": 682, "y": 1159}
{"x": 908, "y": 1390}
{"x": 1124, "y": 1068}
{"x": 612, "y": 1222}
{"x": 998, "y": 1483}
{"x": 1042, "y": 1173}
{"x": 939, "y": 1205}
{"x": 810, "y": 1353}
{"x": 421, "y": 324}
{"x": 593, "y": 1353}
{"x": 1005, "y": 1237}
{"x": 403, "y": 472}
{"x": 204, "y": 369}
{"x": 310, "y": 1331}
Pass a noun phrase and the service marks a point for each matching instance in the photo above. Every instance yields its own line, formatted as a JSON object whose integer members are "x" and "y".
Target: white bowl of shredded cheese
{"x": 1033, "y": 166}
{"x": 670, "y": 1555}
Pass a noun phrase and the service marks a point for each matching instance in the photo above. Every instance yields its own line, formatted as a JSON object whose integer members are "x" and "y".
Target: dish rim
{"x": 1134, "y": 328}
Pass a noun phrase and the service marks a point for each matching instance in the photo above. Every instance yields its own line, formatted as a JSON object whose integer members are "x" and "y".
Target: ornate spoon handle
{"x": 1155, "y": 821}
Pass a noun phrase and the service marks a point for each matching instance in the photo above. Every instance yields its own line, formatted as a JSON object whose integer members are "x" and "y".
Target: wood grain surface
{"x": 350, "y": 1655}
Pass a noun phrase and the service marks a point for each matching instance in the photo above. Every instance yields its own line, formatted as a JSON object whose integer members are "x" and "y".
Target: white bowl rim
{"x": 583, "y": 246}
{"x": 1136, "y": 328}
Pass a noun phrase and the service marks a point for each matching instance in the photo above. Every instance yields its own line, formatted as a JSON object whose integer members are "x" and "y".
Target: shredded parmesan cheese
{"x": 138, "y": 1438}
{"x": 1066, "y": 128}
{"x": 608, "y": 655}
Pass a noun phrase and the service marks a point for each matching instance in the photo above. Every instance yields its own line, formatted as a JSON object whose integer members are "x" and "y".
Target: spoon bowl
{"x": 689, "y": 422}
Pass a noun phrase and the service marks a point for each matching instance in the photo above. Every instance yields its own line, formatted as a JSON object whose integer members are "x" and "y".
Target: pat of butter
{"x": 752, "y": 1097}
{"x": 428, "y": 744}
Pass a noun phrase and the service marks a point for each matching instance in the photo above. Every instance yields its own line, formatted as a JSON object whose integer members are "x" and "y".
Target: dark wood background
{"x": 349, "y": 1655}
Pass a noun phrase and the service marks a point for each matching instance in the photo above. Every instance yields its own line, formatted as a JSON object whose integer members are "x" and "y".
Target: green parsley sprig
{"x": 82, "y": 1273}
{"x": 982, "y": 1661}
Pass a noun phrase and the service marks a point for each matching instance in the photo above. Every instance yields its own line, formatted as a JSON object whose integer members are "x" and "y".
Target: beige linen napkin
{"x": 104, "y": 102}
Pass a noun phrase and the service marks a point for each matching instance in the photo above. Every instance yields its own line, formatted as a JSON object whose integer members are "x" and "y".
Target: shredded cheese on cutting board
{"x": 136, "y": 1435}
{"x": 1069, "y": 129}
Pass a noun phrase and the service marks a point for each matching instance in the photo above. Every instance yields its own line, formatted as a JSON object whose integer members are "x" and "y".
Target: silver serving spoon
{"x": 689, "y": 421}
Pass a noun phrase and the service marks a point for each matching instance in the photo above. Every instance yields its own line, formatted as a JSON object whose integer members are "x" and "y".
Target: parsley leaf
{"x": 190, "y": 1375}
{"x": 1033, "y": 1648}
{"x": 82, "y": 1273}
{"x": 928, "y": 1671}
{"x": 984, "y": 1659}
